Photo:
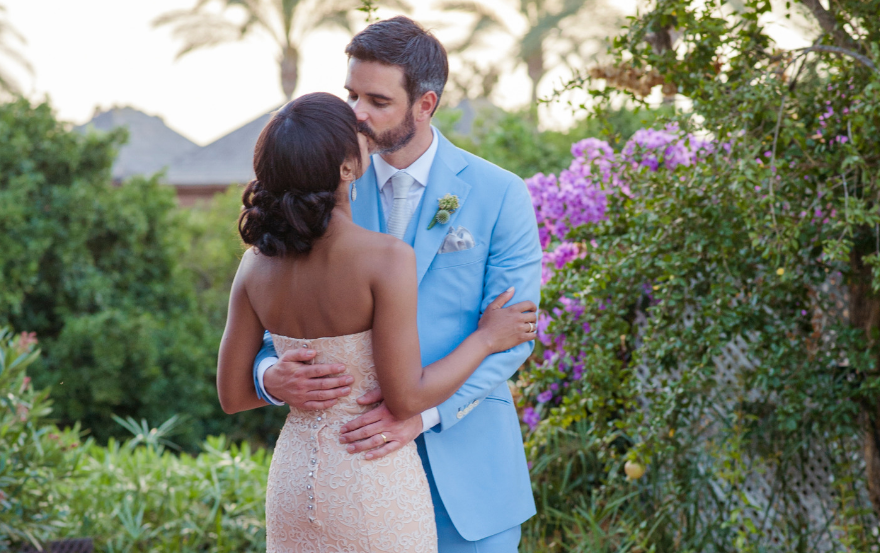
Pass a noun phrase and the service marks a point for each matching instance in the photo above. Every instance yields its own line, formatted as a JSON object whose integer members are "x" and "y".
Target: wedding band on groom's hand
{"x": 532, "y": 328}
{"x": 384, "y": 439}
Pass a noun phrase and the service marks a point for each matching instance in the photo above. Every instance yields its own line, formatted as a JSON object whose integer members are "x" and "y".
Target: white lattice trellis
{"x": 805, "y": 494}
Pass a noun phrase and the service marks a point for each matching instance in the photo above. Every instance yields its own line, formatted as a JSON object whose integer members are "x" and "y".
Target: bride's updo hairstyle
{"x": 296, "y": 162}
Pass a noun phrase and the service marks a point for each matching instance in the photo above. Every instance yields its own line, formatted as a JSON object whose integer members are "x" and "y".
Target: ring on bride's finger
{"x": 384, "y": 439}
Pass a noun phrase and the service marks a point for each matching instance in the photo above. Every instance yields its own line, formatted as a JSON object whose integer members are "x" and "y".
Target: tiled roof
{"x": 227, "y": 160}
{"x": 151, "y": 145}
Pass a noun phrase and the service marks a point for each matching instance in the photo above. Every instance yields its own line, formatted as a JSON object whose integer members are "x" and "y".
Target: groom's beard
{"x": 393, "y": 139}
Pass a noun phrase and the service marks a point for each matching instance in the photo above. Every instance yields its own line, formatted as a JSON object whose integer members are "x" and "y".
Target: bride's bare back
{"x": 327, "y": 292}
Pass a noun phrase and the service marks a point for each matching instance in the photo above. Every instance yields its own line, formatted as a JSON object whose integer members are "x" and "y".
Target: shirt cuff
{"x": 430, "y": 418}
{"x": 261, "y": 370}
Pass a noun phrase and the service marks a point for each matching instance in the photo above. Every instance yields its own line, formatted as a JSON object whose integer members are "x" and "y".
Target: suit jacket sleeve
{"x": 514, "y": 260}
{"x": 268, "y": 350}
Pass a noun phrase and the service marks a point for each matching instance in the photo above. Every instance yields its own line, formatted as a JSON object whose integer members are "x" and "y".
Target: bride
{"x": 314, "y": 279}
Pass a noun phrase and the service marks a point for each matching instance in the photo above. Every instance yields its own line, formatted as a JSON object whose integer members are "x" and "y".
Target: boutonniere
{"x": 447, "y": 206}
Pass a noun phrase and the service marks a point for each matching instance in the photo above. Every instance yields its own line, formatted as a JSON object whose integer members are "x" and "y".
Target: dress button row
{"x": 313, "y": 461}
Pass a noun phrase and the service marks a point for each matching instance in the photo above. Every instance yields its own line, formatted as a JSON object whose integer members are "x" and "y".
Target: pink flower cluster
{"x": 578, "y": 197}
{"x": 669, "y": 147}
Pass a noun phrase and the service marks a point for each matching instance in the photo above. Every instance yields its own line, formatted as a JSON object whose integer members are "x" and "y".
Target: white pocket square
{"x": 457, "y": 239}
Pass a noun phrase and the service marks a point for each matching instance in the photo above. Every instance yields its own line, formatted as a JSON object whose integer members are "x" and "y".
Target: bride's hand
{"x": 506, "y": 327}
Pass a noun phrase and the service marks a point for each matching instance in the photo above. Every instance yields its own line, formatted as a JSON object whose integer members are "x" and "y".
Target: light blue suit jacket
{"x": 476, "y": 452}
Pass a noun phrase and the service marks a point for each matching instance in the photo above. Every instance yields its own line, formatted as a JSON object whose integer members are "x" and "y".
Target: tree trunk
{"x": 535, "y": 66}
{"x": 864, "y": 313}
{"x": 828, "y": 22}
{"x": 289, "y": 71}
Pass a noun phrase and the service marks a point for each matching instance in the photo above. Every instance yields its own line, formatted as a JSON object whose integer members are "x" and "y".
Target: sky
{"x": 93, "y": 54}
{"x": 105, "y": 53}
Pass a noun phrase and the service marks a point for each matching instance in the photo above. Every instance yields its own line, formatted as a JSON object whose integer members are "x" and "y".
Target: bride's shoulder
{"x": 381, "y": 249}
{"x": 248, "y": 258}
{"x": 252, "y": 259}
{"x": 252, "y": 256}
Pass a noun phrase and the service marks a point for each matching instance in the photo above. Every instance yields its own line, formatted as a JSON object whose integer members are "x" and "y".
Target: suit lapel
{"x": 443, "y": 179}
{"x": 366, "y": 211}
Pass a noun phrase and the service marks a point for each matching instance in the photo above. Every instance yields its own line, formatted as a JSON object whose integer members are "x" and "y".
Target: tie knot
{"x": 400, "y": 184}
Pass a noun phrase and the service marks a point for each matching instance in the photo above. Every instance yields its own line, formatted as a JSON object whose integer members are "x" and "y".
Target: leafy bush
{"x": 129, "y": 496}
{"x": 126, "y": 291}
{"x": 653, "y": 272}
{"x": 137, "y": 496}
{"x": 35, "y": 457}
{"x": 716, "y": 317}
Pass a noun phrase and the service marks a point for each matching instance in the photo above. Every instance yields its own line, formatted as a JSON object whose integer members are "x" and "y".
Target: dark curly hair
{"x": 296, "y": 162}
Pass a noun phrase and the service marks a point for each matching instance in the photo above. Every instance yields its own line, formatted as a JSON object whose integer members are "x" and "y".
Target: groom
{"x": 470, "y": 445}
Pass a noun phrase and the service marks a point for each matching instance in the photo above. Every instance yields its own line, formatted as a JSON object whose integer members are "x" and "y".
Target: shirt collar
{"x": 419, "y": 169}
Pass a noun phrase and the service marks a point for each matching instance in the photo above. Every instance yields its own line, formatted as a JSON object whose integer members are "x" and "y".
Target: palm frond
{"x": 8, "y": 34}
{"x": 477, "y": 8}
{"x": 478, "y": 31}
{"x": 339, "y": 19}
{"x": 8, "y": 83}
{"x": 487, "y": 21}
{"x": 205, "y": 32}
{"x": 17, "y": 57}
{"x": 534, "y": 38}
{"x": 6, "y": 28}
{"x": 198, "y": 28}
{"x": 169, "y": 18}
{"x": 399, "y": 5}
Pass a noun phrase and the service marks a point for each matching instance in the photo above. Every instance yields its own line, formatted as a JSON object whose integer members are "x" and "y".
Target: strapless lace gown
{"x": 320, "y": 498}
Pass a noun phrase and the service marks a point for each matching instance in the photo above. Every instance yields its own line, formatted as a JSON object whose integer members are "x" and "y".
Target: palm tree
{"x": 563, "y": 25}
{"x": 8, "y": 83}
{"x": 287, "y": 22}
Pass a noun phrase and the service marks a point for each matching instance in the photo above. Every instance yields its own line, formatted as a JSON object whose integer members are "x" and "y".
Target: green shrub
{"x": 35, "y": 457}
{"x": 717, "y": 319}
{"x": 128, "y": 496}
{"x": 137, "y": 496}
{"x": 126, "y": 291}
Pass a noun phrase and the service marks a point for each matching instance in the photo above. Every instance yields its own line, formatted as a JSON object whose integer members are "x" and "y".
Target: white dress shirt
{"x": 418, "y": 170}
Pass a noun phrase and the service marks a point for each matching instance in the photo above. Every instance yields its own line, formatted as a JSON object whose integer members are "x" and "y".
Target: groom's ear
{"x": 425, "y": 106}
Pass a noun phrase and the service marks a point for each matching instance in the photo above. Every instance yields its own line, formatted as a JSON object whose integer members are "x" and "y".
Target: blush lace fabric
{"x": 322, "y": 499}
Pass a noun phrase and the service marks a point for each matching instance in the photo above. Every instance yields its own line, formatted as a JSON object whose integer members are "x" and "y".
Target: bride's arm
{"x": 241, "y": 341}
{"x": 409, "y": 389}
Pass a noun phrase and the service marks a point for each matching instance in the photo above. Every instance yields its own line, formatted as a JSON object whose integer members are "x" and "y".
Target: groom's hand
{"x": 306, "y": 387}
{"x": 365, "y": 432}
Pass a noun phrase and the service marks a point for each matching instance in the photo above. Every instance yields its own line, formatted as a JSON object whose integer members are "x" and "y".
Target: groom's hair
{"x": 402, "y": 42}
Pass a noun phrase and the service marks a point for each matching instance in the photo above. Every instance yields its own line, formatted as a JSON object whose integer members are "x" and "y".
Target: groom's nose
{"x": 359, "y": 112}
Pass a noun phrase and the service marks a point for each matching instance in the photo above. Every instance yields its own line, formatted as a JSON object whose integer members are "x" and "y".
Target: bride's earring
{"x": 354, "y": 190}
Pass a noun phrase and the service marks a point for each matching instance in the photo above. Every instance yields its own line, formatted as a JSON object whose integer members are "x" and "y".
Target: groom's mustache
{"x": 365, "y": 129}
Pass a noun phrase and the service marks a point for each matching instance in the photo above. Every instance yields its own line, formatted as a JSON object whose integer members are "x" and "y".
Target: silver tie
{"x": 400, "y": 215}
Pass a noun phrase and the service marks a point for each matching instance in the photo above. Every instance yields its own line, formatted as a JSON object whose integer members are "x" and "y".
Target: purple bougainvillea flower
{"x": 531, "y": 418}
